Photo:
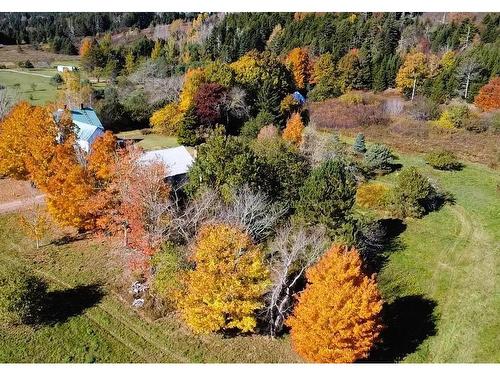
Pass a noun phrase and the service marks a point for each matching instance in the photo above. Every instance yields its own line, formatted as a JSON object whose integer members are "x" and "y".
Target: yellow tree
{"x": 323, "y": 67}
{"x": 13, "y": 142}
{"x": 35, "y": 224}
{"x": 413, "y": 69}
{"x": 248, "y": 69}
{"x": 226, "y": 287}
{"x": 129, "y": 63}
{"x": 157, "y": 50}
{"x": 193, "y": 80}
{"x": 298, "y": 60}
{"x": 85, "y": 47}
{"x": 27, "y": 141}
{"x": 293, "y": 129}
{"x": 348, "y": 68}
{"x": 337, "y": 316}
{"x": 102, "y": 158}
{"x": 167, "y": 120}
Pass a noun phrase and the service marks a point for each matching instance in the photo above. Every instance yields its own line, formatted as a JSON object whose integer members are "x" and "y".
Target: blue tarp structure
{"x": 299, "y": 97}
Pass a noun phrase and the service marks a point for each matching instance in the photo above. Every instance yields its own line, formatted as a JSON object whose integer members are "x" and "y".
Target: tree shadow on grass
{"x": 67, "y": 239}
{"x": 409, "y": 321}
{"x": 378, "y": 240}
{"x": 61, "y": 305}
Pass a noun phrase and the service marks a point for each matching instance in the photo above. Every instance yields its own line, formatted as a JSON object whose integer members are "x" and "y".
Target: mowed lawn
{"x": 94, "y": 324}
{"x": 151, "y": 141}
{"x": 43, "y": 93}
{"x": 449, "y": 262}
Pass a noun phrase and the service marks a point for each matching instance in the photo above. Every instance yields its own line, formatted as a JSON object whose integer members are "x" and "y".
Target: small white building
{"x": 66, "y": 68}
{"x": 177, "y": 160}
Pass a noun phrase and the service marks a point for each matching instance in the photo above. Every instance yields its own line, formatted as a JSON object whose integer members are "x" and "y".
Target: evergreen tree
{"x": 359, "y": 143}
{"x": 328, "y": 195}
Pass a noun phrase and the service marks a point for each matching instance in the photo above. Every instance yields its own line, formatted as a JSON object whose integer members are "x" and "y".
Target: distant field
{"x": 150, "y": 141}
{"x": 10, "y": 56}
{"x": 43, "y": 93}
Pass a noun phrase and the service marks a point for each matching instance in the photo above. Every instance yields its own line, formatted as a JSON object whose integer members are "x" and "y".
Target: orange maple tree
{"x": 69, "y": 188}
{"x": 488, "y": 98}
{"x": 336, "y": 318}
{"x": 293, "y": 129}
{"x": 85, "y": 47}
{"x": 298, "y": 60}
{"x": 27, "y": 143}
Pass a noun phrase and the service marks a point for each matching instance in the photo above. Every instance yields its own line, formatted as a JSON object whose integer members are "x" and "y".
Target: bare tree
{"x": 236, "y": 104}
{"x": 249, "y": 210}
{"x": 7, "y": 99}
{"x": 254, "y": 212}
{"x": 153, "y": 76}
{"x": 203, "y": 209}
{"x": 293, "y": 250}
{"x": 468, "y": 72}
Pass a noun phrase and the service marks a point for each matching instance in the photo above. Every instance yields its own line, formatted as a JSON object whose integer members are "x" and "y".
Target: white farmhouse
{"x": 87, "y": 126}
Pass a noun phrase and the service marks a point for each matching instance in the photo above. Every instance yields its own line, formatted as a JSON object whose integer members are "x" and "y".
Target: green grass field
{"x": 43, "y": 93}
{"x": 450, "y": 258}
{"x": 150, "y": 141}
{"x": 443, "y": 280}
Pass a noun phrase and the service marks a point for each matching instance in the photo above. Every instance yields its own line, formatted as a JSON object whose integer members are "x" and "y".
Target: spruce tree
{"x": 359, "y": 144}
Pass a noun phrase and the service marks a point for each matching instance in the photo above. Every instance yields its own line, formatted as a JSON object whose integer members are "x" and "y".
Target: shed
{"x": 299, "y": 97}
{"x": 66, "y": 68}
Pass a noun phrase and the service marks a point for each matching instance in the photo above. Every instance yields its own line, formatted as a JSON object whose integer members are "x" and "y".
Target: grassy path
{"x": 28, "y": 73}
{"x": 451, "y": 257}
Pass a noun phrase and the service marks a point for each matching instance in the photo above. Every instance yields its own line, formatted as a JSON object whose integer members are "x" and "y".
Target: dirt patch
{"x": 13, "y": 190}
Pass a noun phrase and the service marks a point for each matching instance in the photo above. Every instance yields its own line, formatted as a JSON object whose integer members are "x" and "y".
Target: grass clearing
{"x": 43, "y": 93}
{"x": 451, "y": 257}
{"x": 151, "y": 141}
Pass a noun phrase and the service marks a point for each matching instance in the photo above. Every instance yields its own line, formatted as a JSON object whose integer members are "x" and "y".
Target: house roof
{"x": 86, "y": 116}
{"x": 87, "y": 132}
{"x": 177, "y": 160}
{"x": 87, "y": 125}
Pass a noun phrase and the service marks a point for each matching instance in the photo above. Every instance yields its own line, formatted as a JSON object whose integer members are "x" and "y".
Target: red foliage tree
{"x": 488, "y": 98}
{"x": 209, "y": 102}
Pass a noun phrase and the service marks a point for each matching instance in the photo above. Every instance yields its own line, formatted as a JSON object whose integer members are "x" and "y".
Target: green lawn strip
{"x": 151, "y": 141}
{"x": 43, "y": 93}
{"x": 450, "y": 256}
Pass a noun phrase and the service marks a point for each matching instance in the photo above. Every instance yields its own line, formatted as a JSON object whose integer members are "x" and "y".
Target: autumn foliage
{"x": 69, "y": 188}
{"x": 208, "y": 102}
{"x": 27, "y": 141}
{"x": 294, "y": 128}
{"x": 337, "y": 316}
{"x": 226, "y": 287}
{"x": 488, "y": 98}
{"x": 298, "y": 60}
